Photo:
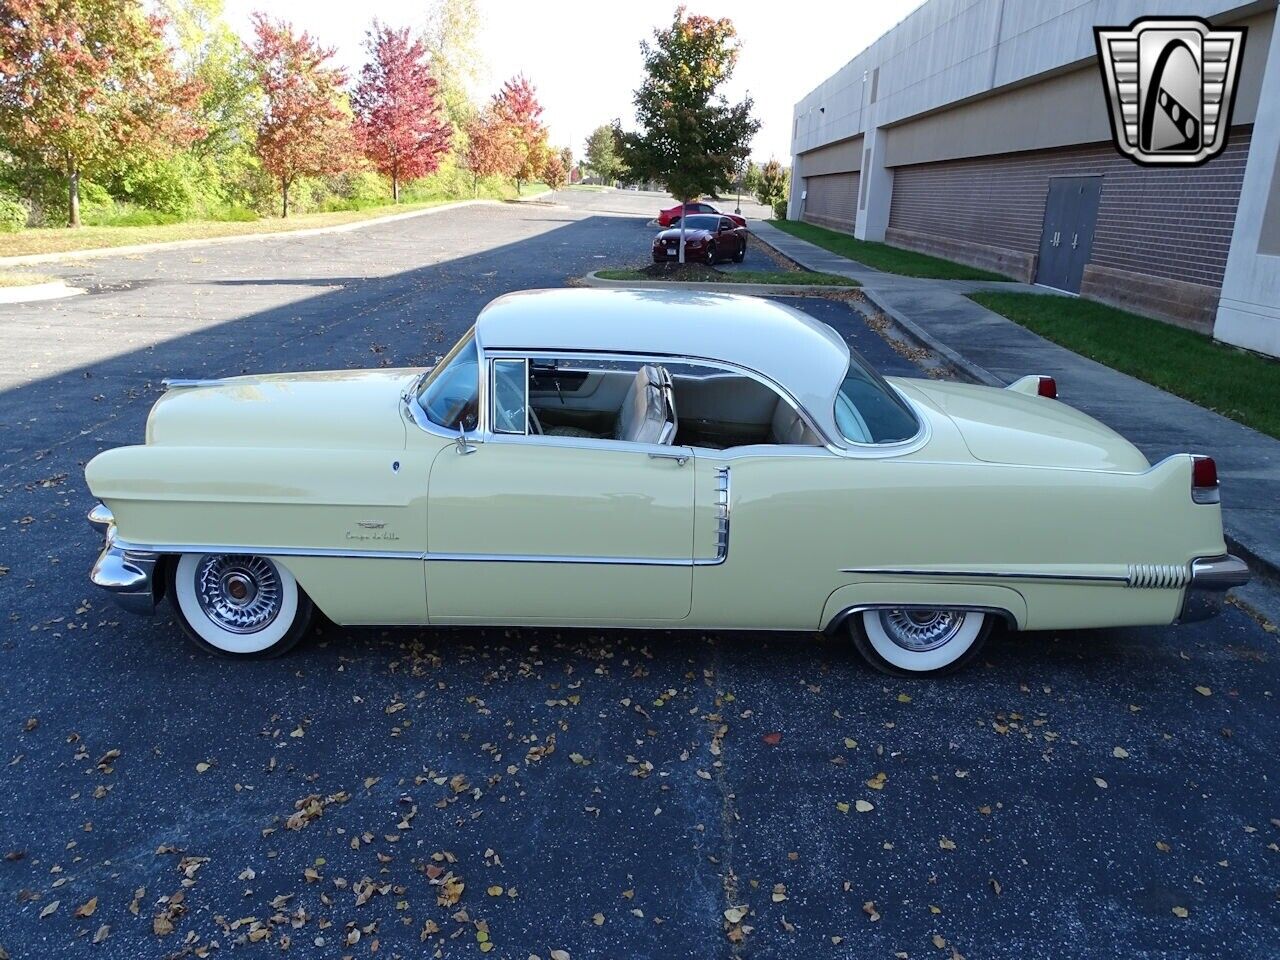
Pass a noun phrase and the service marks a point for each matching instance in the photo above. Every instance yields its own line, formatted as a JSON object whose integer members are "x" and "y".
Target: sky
{"x": 584, "y": 59}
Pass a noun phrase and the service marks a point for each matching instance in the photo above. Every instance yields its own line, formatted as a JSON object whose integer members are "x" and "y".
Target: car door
{"x": 730, "y": 239}
{"x": 526, "y": 528}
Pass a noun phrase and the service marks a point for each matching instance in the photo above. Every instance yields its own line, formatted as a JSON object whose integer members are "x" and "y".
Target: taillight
{"x": 1204, "y": 479}
{"x": 1048, "y": 387}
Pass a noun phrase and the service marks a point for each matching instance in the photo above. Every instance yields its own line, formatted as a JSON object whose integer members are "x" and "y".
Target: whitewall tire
{"x": 238, "y": 605}
{"x": 915, "y": 642}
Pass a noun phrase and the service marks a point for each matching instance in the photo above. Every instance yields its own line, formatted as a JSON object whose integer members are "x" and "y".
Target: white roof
{"x": 806, "y": 358}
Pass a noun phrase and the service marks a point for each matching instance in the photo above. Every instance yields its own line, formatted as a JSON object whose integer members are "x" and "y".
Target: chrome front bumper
{"x": 128, "y": 575}
{"x": 1211, "y": 578}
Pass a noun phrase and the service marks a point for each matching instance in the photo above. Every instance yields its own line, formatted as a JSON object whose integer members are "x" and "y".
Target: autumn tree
{"x": 86, "y": 82}
{"x": 491, "y": 150}
{"x": 554, "y": 172}
{"x": 772, "y": 184}
{"x": 601, "y": 156}
{"x": 304, "y": 129}
{"x": 398, "y": 113}
{"x": 690, "y": 136}
{"x": 516, "y": 106}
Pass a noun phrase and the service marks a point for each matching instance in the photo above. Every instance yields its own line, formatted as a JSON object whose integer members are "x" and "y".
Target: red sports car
{"x": 708, "y": 239}
{"x": 671, "y": 214}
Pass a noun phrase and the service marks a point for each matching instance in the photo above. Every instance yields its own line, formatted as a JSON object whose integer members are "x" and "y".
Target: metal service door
{"x": 1066, "y": 240}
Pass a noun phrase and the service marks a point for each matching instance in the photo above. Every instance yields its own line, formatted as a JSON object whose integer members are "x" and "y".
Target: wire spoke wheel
{"x": 241, "y": 594}
{"x": 921, "y": 630}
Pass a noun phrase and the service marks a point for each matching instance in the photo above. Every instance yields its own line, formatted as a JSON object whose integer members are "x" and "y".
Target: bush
{"x": 780, "y": 210}
{"x": 13, "y": 214}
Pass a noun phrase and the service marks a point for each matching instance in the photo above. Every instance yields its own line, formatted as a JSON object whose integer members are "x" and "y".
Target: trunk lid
{"x": 1001, "y": 426}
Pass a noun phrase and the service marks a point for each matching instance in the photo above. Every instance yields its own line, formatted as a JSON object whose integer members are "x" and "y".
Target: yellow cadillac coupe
{"x": 635, "y": 458}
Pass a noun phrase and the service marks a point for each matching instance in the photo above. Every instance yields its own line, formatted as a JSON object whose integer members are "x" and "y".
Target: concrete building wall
{"x": 968, "y": 108}
{"x": 988, "y": 211}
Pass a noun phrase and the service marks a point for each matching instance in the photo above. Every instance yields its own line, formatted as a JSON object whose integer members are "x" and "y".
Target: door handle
{"x": 679, "y": 458}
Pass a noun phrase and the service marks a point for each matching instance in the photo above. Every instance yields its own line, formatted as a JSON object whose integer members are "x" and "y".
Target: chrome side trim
{"x": 723, "y": 506}
{"x": 841, "y": 616}
{"x": 1210, "y": 579}
{"x": 986, "y": 574}
{"x": 1159, "y": 576}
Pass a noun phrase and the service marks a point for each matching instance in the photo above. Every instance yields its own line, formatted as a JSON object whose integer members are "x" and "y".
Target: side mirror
{"x": 462, "y": 444}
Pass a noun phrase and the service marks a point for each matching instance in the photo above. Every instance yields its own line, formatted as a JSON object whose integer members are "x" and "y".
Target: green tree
{"x": 456, "y": 62}
{"x": 601, "y": 156}
{"x": 690, "y": 136}
{"x": 773, "y": 184}
{"x": 85, "y": 83}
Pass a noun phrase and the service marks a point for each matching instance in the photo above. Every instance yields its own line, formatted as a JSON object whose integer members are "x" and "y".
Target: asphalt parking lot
{"x": 454, "y": 792}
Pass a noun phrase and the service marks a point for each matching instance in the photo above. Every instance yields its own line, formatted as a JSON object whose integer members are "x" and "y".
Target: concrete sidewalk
{"x": 987, "y": 348}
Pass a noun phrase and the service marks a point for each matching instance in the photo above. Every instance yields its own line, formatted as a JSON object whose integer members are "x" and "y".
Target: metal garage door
{"x": 832, "y": 200}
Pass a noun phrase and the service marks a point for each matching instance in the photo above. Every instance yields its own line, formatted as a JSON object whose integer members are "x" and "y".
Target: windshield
{"x": 450, "y": 396}
{"x": 699, "y": 222}
{"x": 868, "y": 410}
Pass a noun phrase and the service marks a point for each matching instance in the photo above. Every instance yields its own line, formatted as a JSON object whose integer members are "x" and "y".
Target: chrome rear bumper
{"x": 1211, "y": 578}
{"x": 128, "y": 575}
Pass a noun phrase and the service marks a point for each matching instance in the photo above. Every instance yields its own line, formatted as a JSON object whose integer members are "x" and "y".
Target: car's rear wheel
{"x": 918, "y": 642}
{"x": 741, "y": 254}
{"x": 238, "y": 605}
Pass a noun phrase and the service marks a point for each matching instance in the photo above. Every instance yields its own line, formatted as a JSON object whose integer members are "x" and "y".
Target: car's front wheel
{"x": 711, "y": 254}
{"x": 917, "y": 642}
{"x": 238, "y": 605}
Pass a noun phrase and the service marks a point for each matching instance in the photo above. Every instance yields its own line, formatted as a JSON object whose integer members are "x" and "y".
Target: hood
{"x": 1001, "y": 426}
{"x": 690, "y": 233}
{"x": 340, "y": 409}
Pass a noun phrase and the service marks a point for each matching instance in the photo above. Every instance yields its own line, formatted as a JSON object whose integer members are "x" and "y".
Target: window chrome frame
{"x": 492, "y": 374}
{"x": 842, "y": 448}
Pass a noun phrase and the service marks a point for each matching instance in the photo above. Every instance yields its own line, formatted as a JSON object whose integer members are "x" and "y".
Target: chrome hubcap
{"x": 240, "y": 594}
{"x": 921, "y": 630}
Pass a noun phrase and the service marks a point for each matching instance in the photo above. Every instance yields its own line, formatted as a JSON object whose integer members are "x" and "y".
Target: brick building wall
{"x": 1166, "y": 223}
{"x": 832, "y": 200}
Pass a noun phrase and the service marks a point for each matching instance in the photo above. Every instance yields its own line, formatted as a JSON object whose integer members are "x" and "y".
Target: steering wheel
{"x": 508, "y": 398}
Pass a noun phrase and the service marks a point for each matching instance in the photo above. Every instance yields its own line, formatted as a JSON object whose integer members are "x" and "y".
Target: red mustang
{"x": 671, "y": 214}
{"x": 707, "y": 239}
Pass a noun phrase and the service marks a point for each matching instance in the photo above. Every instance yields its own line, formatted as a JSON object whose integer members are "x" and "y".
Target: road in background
{"x": 604, "y": 793}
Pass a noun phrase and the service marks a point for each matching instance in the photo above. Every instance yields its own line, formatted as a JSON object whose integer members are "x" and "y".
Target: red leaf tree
{"x": 398, "y": 111}
{"x": 491, "y": 148}
{"x": 304, "y": 129}
{"x": 516, "y": 105}
{"x": 554, "y": 172}
{"x": 85, "y": 82}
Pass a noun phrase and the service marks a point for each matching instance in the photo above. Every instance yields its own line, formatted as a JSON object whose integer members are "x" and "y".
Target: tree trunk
{"x": 284, "y": 197}
{"x": 73, "y": 198}
{"x": 395, "y": 189}
{"x": 475, "y": 185}
{"x": 517, "y": 186}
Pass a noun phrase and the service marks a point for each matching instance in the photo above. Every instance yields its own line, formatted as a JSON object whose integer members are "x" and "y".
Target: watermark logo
{"x": 1171, "y": 84}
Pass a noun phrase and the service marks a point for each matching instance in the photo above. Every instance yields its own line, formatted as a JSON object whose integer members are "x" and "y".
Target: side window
{"x": 726, "y": 223}
{"x": 510, "y": 396}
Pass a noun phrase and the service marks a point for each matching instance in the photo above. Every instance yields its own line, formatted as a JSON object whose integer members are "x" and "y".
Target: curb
{"x": 135, "y": 248}
{"x": 53, "y": 290}
{"x": 745, "y": 289}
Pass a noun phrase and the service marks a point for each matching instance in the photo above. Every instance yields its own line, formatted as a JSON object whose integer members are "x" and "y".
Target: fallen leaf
{"x": 495, "y": 891}
{"x": 102, "y": 933}
{"x": 877, "y": 782}
{"x": 869, "y": 908}
{"x": 946, "y": 844}
{"x": 842, "y": 806}
{"x": 1204, "y": 691}
{"x": 50, "y": 909}
{"x": 1100, "y": 782}
{"x": 87, "y": 908}
{"x": 559, "y": 955}
{"x": 1182, "y": 912}
{"x": 598, "y": 919}
{"x": 863, "y": 806}
{"x": 202, "y": 767}
{"x": 736, "y": 914}
{"x": 904, "y": 698}
{"x": 772, "y": 739}
{"x": 1120, "y": 753}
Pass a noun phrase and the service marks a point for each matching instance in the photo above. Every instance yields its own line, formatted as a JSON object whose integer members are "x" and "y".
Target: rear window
{"x": 868, "y": 410}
